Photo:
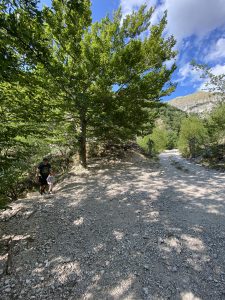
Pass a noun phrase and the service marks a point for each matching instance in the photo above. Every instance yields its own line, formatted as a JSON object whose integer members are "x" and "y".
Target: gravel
{"x": 134, "y": 229}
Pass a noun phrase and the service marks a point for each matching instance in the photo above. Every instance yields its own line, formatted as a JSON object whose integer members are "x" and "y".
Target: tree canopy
{"x": 64, "y": 79}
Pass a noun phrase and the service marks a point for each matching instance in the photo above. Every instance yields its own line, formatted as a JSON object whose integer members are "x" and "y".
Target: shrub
{"x": 154, "y": 143}
{"x": 160, "y": 139}
{"x": 193, "y": 136}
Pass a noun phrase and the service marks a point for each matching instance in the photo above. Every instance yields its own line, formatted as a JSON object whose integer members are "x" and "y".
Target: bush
{"x": 216, "y": 124}
{"x": 12, "y": 180}
{"x": 160, "y": 139}
{"x": 144, "y": 143}
{"x": 154, "y": 143}
{"x": 172, "y": 140}
{"x": 193, "y": 136}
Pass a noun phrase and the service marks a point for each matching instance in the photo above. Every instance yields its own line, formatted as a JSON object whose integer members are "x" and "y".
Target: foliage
{"x": 26, "y": 131}
{"x": 164, "y": 128}
{"x": 155, "y": 142}
{"x": 193, "y": 135}
{"x": 215, "y": 121}
{"x": 105, "y": 74}
{"x": 160, "y": 139}
{"x": 65, "y": 82}
{"x": 144, "y": 143}
{"x": 17, "y": 164}
{"x": 31, "y": 105}
{"x": 214, "y": 83}
{"x": 118, "y": 75}
{"x": 216, "y": 124}
{"x": 171, "y": 117}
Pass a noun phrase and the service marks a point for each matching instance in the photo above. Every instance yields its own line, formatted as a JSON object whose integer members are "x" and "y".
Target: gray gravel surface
{"x": 133, "y": 229}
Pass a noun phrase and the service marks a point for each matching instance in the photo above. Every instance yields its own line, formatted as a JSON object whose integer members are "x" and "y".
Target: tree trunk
{"x": 82, "y": 143}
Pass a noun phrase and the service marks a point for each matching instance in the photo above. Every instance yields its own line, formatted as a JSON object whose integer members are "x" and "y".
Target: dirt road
{"x": 131, "y": 230}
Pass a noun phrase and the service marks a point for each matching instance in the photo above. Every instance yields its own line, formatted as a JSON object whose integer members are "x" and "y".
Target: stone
{"x": 145, "y": 290}
{"x": 174, "y": 269}
{"x": 161, "y": 241}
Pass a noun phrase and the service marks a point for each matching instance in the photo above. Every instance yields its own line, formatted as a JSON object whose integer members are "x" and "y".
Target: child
{"x": 50, "y": 181}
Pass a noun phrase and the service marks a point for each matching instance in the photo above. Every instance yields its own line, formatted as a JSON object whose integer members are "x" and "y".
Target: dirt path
{"x": 132, "y": 230}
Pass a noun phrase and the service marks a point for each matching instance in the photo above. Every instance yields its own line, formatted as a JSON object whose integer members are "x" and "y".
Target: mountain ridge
{"x": 200, "y": 102}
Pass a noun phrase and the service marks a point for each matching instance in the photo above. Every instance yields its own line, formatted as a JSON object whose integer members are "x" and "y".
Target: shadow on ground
{"x": 128, "y": 231}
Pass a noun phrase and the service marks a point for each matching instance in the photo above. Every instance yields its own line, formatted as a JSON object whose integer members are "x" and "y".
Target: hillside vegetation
{"x": 197, "y": 136}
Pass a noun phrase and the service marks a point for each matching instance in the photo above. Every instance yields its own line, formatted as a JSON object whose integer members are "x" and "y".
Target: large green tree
{"x": 111, "y": 76}
{"x": 30, "y": 104}
{"x": 105, "y": 75}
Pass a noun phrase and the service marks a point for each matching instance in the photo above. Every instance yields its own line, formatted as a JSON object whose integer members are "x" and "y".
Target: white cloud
{"x": 169, "y": 63}
{"x": 191, "y": 17}
{"x": 188, "y": 74}
{"x": 217, "y": 70}
{"x": 129, "y": 5}
{"x": 217, "y": 51}
{"x": 188, "y": 18}
{"x": 185, "y": 17}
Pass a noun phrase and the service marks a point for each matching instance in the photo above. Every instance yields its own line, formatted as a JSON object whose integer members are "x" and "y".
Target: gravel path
{"x": 131, "y": 230}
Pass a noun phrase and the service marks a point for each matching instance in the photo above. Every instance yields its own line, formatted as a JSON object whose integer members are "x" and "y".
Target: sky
{"x": 197, "y": 25}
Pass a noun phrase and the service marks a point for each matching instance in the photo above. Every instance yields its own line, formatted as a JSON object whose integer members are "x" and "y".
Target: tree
{"x": 112, "y": 78}
{"x": 160, "y": 139}
{"x": 216, "y": 124}
{"x": 193, "y": 135}
{"x": 171, "y": 119}
{"x": 106, "y": 75}
{"x": 213, "y": 83}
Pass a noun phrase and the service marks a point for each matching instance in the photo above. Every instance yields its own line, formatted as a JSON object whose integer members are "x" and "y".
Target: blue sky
{"x": 198, "y": 26}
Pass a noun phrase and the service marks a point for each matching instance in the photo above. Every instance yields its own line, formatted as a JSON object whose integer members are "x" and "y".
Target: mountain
{"x": 199, "y": 103}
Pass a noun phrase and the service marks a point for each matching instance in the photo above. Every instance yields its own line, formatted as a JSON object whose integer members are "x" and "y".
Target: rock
{"x": 28, "y": 281}
{"x": 174, "y": 269}
{"x": 145, "y": 290}
{"x": 7, "y": 281}
{"x": 8, "y": 290}
{"x": 146, "y": 267}
{"x": 161, "y": 241}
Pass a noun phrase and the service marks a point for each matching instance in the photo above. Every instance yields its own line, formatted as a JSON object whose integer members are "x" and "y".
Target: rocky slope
{"x": 200, "y": 102}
